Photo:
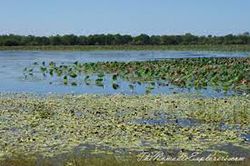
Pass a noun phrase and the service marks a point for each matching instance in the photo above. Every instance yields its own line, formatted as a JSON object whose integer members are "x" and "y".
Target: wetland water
{"x": 90, "y": 125}
{"x": 12, "y": 64}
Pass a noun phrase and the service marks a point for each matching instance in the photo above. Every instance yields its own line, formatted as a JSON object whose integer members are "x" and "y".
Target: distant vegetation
{"x": 224, "y": 48}
{"x": 117, "y": 39}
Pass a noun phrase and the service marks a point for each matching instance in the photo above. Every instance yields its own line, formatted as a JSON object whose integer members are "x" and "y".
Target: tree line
{"x": 118, "y": 39}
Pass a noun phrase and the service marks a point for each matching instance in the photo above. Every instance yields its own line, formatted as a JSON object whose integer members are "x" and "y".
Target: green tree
{"x": 142, "y": 39}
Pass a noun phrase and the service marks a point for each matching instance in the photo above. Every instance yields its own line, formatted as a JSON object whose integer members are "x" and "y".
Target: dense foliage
{"x": 117, "y": 39}
{"x": 226, "y": 73}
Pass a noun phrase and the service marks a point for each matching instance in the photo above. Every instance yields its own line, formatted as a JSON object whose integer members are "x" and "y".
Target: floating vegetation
{"x": 220, "y": 73}
{"x": 57, "y": 124}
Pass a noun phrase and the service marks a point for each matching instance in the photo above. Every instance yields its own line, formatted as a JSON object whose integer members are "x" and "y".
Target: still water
{"x": 12, "y": 64}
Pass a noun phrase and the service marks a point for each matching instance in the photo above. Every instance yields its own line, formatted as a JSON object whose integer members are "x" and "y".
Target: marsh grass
{"x": 223, "y": 48}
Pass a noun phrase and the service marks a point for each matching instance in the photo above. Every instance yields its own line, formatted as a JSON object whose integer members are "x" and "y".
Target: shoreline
{"x": 215, "y": 48}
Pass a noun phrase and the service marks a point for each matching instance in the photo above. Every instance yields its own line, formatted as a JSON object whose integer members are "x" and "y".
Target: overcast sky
{"x": 83, "y": 17}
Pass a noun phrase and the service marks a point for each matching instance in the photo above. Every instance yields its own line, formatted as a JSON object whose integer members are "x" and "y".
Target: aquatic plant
{"x": 219, "y": 73}
{"x": 57, "y": 124}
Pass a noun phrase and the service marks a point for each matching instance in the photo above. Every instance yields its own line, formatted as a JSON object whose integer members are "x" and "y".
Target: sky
{"x": 153, "y": 17}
